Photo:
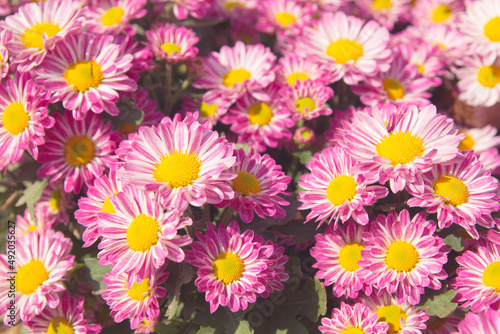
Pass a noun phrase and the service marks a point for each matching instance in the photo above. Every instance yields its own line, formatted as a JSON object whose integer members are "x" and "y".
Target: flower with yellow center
{"x": 236, "y": 76}
{"x": 467, "y": 143}
{"x": 207, "y": 110}
{"x": 489, "y": 76}
{"x": 170, "y": 48}
{"x": 492, "y": 29}
{"x": 30, "y": 276}
{"x": 441, "y": 13}
{"x": 356, "y": 319}
{"x": 33, "y": 37}
{"x": 112, "y": 16}
{"x": 292, "y": 78}
{"x": 341, "y": 189}
{"x": 60, "y": 326}
{"x": 84, "y": 75}
{"x": 451, "y": 188}
{"x": 401, "y": 256}
{"x": 392, "y": 314}
{"x": 285, "y": 19}
{"x": 139, "y": 291}
{"x": 349, "y": 256}
{"x": 382, "y": 4}
{"x": 260, "y": 113}
{"x": 177, "y": 169}
{"x": 245, "y": 183}
{"x": 143, "y": 233}
{"x": 79, "y": 150}
{"x": 393, "y": 88}
{"x": 228, "y": 267}
{"x": 344, "y": 50}
{"x": 305, "y": 102}
{"x": 401, "y": 148}
{"x": 15, "y": 119}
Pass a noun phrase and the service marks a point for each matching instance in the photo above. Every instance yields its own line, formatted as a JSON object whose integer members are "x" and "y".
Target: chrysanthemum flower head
{"x": 479, "y": 139}
{"x": 282, "y": 15}
{"x": 355, "y": 319}
{"x": 307, "y": 99}
{"x": 209, "y": 113}
{"x": 292, "y": 68}
{"x": 195, "y": 8}
{"x": 172, "y": 43}
{"x": 481, "y": 25}
{"x": 385, "y": 12}
{"x": 487, "y": 322}
{"x": 437, "y": 12}
{"x": 112, "y": 16}
{"x": 26, "y": 223}
{"x": 5, "y": 37}
{"x": 426, "y": 58}
{"x": 57, "y": 202}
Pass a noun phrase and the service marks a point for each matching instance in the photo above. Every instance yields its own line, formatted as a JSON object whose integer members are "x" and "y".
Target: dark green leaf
{"x": 454, "y": 241}
{"x": 97, "y": 272}
{"x": 303, "y": 156}
{"x": 440, "y": 305}
{"x": 32, "y": 194}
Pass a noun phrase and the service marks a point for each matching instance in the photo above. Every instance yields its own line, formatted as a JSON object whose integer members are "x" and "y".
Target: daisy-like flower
{"x": 195, "y": 8}
{"x": 5, "y": 37}
{"x": 403, "y": 256}
{"x": 477, "y": 280}
{"x": 137, "y": 301}
{"x": 209, "y": 113}
{"x": 289, "y": 16}
{"x": 233, "y": 8}
{"x": 65, "y": 318}
{"x": 332, "y": 192}
{"x": 232, "y": 266}
{"x": 292, "y": 68}
{"x": 348, "y": 47}
{"x": 57, "y": 202}
{"x": 490, "y": 160}
{"x": 26, "y": 223}
{"x": 304, "y": 136}
{"x": 418, "y": 139}
{"x": 184, "y": 161}
{"x": 425, "y": 57}
{"x": 77, "y": 151}
{"x": 86, "y": 72}
{"x": 38, "y": 27}
{"x": 446, "y": 12}
{"x": 385, "y": 12}
{"x": 140, "y": 236}
{"x": 259, "y": 123}
{"x": 353, "y": 319}
{"x": 23, "y": 111}
{"x": 41, "y": 262}
{"x": 172, "y": 43}
{"x": 234, "y": 71}
{"x": 481, "y": 25}
{"x": 257, "y": 186}
{"x": 113, "y": 16}
{"x": 307, "y": 99}
{"x": 327, "y": 5}
{"x": 487, "y": 322}
{"x": 479, "y": 139}
{"x": 338, "y": 252}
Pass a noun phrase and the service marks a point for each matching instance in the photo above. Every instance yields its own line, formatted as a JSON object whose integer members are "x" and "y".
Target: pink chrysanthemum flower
{"x": 233, "y": 9}
{"x": 5, "y": 37}
{"x": 38, "y": 27}
{"x": 490, "y": 160}
{"x": 481, "y": 25}
{"x": 136, "y": 301}
{"x": 234, "y": 71}
{"x": 332, "y": 192}
{"x": 233, "y": 266}
{"x": 445, "y": 12}
{"x": 172, "y": 43}
{"x": 140, "y": 236}
{"x": 41, "y": 262}
{"x": 479, "y": 139}
{"x": 353, "y": 319}
{"x": 257, "y": 186}
{"x": 292, "y": 68}
{"x": 348, "y": 47}
{"x": 86, "y": 72}
{"x": 96, "y": 201}
{"x": 26, "y": 223}
{"x": 417, "y": 140}
{"x": 425, "y": 57}
{"x": 288, "y": 16}
{"x": 337, "y": 253}
{"x": 477, "y": 280}
{"x": 306, "y": 99}
{"x": 385, "y": 12}
{"x": 195, "y": 8}
{"x": 186, "y": 163}
{"x": 324, "y": 6}
{"x": 437, "y": 325}
{"x": 209, "y": 113}
{"x": 494, "y": 236}
{"x": 77, "y": 151}
{"x": 142, "y": 56}
{"x": 57, "y": 202}
{"x": 65, "y": 318}
{"x": 259, "y": 123}
{"x": 487, "y": 322}
{"x": 304, "y": 137}
{"x": 112, "y": 16}
{"x": 24, "y": 115}
{"x": 403, "y": 256}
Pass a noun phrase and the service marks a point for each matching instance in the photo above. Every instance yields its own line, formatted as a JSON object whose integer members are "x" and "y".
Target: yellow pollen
{"x": 15, "y": 118}
{"x": 178, "y": 169}
{"x": 452, "y": 188}
{"x": 285, "y": 19}
{"x": 79, "y": 150}
{"x": 30, "y": 276}
{"x": 353, "y": 330}
{"x": 341, "y": 189}
{"x": 235, "y": 76}
{"x": 112, "y": 16}
{"x": 305, "y": 102}
{"x": 492, "y": 29}
{"x": 489, "y": 76}
{"x": 393, "y": 88}
{"x": 32, "y": 228}
{"x": 344, "y": 50}
{"x": 143, "y": 233}
{"x": 491, "y": 276}
{"x": 84, "y": 75}
{"x": 382, "y": 4}
{"x": 55, "y": 200}
{"x": 60, "y": 326}
{"x": 232, "y": 4}
{"x": 107, "y": 206}
{"x": 401, "y": 148}
{"x": 401, "y": 256}
{"x": 441, "y": 13}
{"x": 207, "y": 110}
{"x": 127, "y": 128}
{"x": 421, "y": 68}
{"x": 33, "y": 37}
{"x": 434, "y": 323}
{"x": 349, "y": 256}
{"x": 245, "y": 183}
{"x": 170, "y": 48}
{"x": 306, "y": 134}
{"x": 228, "y": 267}
{"x": 467, "y": 143}
{"x": 292, "y": 78}
{"x": 392, "y": 314}
{"x": 260, "y": 113}
{"x": 139, "y": 291}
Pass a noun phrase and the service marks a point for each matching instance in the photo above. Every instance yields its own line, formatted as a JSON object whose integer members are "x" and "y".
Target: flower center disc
{"x": 15, "y": 118}
{"x": 341, "y": 189}
{"x": 245, "y": 183}
{"x": 84, "y": 75}
{"x": 143, "y": 233}
{"x": 303, "y": 103}
{"x": 492, "y": 29}
{"x": 467, "y": 143}
{"x": 170, "y": 48}
{"x": 60, "y": 326}
{"x": 401, "y": 256}
{"x": 400, "y": 148}
{"x": 344, "y": 50}
{"x": 441, "y": 13}
{"x": 349, "y": 256}
{"x": 353, "y": 330}
{"x": 491, "y": 276}
{"x": 292, "y": 78}
{"x": 79, "y": 150}
{"x": 55, "y": 200}
{"x": 453, "y": 189}
{"x": 285, "y": 19}
{"x": 107, "y": 206}
{"x": 30, "y": 276}
{"x": 33, "y": 37}
{"x": 391, "y": 314}
{"x": 228, "y": 267}
{"x": 112, "y": 16}
{"x": 178, "y": 169}
{"x": 393, "y": 88}
{"x": 489, "y": 76}
{"x": 207, "y": 110}
{"x": 139, "y": 291}
{"x": 382, "y": 4}
{"x": 235, "y": 76}
{"x": 260, "y": 113}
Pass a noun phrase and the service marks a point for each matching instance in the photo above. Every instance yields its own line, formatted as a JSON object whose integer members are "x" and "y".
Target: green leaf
{"x": 97, "y": 272}
{"x": 221, "y": 321}
{"x": 440, "y": 305}
{"x": 454, "y": 241}
{"x": 32, "y": 194}
{"x": 206, "y": 330}
{"x": 244, "y": 328}
{"x": 304, "y": 156}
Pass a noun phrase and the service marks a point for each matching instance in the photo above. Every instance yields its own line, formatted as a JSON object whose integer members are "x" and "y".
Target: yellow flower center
{"x": 467, "y": 143}
{"x": 33, "y": 37}
{"x": 107, "y": 206}
{"x": 285, "y": 19}
{"x": 434, "y": 323}
{"x": 245, "y": 183}
{"x": 32, "y": 228}
{"x": 344, "y": 50}
{"x": 382, "y": 4}
{"x": 400, "y": 148}
{"x": 491, "y": 276}
{"x": 143, "y": 233}
{"x": 292, "y": 78}
{"x": 452, "y": 188}
{"x": 30, "y": 276}
{"x": 127, "y": 128}
{"x": 228, "y": 267}
{"x": 489, "y": 76}
{"x": 401, "y": 256}
{"x": 441, "y": 13}
{"x": 139, "y": 291}
{"x": 178, "y": 169}
{"x": 60, "y": 326}
{"x": 112, "y": 16}
{"x": 79, "y": 150}
{"x": 170, "y": 48}
{"x": 492, "y": 29}
{"x": 349, "y": 256}
{"x": 353, "y": 330}
{"x": 15, "y": 118}
{"x": 421, "y": 68}
{"x": 207, "y": 110}
{"x": 84, "y": 75}
{"x": 303, "y": 103}
{"x": 391, "y": 314}
{"x": 235, "y": 76}
{"x": 55, "y": 200}
{"x": 393, "y": 88}
{"x": 341, "y": 189}
{"x": 260, "y": 113}
{"x": 232, "y": 4}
